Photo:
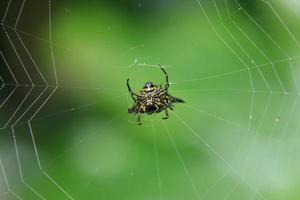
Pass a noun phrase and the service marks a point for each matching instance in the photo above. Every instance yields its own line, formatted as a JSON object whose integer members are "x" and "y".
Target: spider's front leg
{"x": 167, "y": 114}
{"x": 131, "y": 92}
{"x": 166, "y": 76}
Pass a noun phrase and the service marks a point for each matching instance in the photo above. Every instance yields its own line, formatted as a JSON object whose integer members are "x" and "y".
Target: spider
{"x": 152, "y": 99}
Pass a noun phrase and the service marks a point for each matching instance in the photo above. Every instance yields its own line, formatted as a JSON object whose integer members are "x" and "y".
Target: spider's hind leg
{"x": 139, "y": 120}
{"x": 167, "y": 114}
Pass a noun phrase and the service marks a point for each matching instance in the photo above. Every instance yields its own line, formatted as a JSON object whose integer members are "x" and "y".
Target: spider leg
{"x": 166, "y": 76}
{"x": 139, "y": 120}
{"x": 131, "y": 92}
{"x": 167, "y": 114}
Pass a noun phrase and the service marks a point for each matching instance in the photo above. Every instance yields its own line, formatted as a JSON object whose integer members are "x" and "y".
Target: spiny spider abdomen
{"x": 152, "y": 99}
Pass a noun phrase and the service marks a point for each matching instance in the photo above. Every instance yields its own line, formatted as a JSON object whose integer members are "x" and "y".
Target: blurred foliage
{"x": 218, "y": 145}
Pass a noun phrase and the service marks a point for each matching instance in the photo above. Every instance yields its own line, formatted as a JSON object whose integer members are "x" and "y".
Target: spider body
{"x": 152, "y": 99}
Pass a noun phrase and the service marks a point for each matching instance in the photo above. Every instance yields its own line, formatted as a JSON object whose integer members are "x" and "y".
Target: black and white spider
{"x": 152, "y": 99}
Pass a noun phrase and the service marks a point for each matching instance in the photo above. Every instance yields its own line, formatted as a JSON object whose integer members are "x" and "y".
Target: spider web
{"x": 65, "y": 133}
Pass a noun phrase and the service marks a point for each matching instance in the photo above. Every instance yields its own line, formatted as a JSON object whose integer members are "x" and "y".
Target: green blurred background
{"x": 235, "y": 63}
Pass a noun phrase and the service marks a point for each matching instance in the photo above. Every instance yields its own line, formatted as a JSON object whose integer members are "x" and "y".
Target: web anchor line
{"x": 157, "y": 163}
{"x": 187, "y": 172}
